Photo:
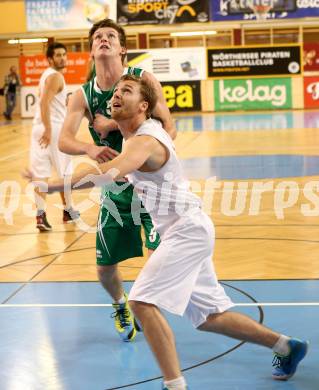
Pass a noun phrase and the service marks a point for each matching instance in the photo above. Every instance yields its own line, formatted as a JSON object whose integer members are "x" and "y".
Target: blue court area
{"x": 252, "y": 167}
{"x": 75, "y": 347}
{"x": 255, "y": 165}
{"x": 251, "y": 121}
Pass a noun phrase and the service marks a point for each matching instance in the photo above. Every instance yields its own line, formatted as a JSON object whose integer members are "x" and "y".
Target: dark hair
{"x": 108, "y": 23}
{"x": 147, "y": 91}
{"x": 52, "y": 47}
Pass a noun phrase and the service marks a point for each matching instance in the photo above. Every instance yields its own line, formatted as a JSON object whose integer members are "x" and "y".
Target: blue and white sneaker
{"x": 286, "y": 366}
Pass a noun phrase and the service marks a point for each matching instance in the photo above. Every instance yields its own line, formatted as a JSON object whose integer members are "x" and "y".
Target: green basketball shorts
{"x": 116, "y": 241}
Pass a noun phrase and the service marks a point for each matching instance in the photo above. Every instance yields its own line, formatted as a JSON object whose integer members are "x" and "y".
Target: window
{"x": 157, "y": 41}
{"x": 221, "y": 39}
{"x": 281, "y": 35}
{"x": 257, "y": 37}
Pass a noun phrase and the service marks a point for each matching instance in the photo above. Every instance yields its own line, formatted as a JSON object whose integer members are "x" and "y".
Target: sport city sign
{"x": 252, "y": 94}
{"x": 130, "y": 12}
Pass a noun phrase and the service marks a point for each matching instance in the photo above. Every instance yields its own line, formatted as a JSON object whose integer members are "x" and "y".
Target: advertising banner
{"x": 311, "y": 56}
{"x": 46, "y": 15}
{"x": 311, "y": 92}
{"x": 226, "y": 10}
{"x": 182, "y": 95}
{"x": 29, "y": 99}
{"x": 254, "y": 61}
{"x": 31, "y": 68}
{"x": 252, "y": 94}
{"x": 179, "y": 95}
{"x": 131, "y": 12}
{"x": 171, "y": 64}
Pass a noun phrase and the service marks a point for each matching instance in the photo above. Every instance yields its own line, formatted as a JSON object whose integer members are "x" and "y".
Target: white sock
{"x": 176, "y": 384}
{"x": 282, "y": 346}
{"x": 39, "y": 202}
{"x": 68, "y": 200}
{"x": 121, "y": 300}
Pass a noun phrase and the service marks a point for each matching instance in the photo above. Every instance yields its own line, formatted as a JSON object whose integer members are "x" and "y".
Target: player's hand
{"x": 100, "y": 125}
{"x": 101, "y": 154}
{"x": 45, "y": 139}
{"x": 42, "y": 186}
{"x": 27, "y": 174}
{"x": 97, "y": 180}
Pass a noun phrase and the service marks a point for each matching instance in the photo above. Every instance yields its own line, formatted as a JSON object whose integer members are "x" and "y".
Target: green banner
{"x": 252, "y": 94}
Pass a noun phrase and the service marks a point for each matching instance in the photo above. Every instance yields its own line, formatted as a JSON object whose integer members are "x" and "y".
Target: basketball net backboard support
{"x": 261, "y": 11}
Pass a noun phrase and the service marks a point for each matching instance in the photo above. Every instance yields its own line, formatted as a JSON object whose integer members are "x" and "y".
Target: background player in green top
{"x": 115, "y": 241}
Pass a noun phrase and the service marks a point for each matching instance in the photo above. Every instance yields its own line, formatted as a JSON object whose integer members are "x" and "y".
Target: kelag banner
{"x": 171, "y": 64}
{"x": 311, "y": 92}
{"x": 254, "y": 61}
{"x": 252, "y": 94}
{"x": 311, "y": 56}
{"x": 31, "y": 68}
{"x": 225, "y": 10}
{"x": 162, "y": 11}
{"x": 182, "y": 95}
{"x": 49, "y": 15}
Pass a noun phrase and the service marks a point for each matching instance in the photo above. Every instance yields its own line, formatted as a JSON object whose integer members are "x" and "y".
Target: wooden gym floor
{"x": 275, "y": 237}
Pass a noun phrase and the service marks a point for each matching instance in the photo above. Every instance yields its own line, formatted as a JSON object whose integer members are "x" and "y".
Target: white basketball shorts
{"x": 179, "y": 276}
{"x": 42, "y": 159}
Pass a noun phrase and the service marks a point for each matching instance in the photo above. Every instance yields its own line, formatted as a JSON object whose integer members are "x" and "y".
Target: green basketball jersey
{"x": 99, "y": 101}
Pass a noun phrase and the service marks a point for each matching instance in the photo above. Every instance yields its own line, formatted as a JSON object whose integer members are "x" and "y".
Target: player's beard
{"x": 59, "y": 65}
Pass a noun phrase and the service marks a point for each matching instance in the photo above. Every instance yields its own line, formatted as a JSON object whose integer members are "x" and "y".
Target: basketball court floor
{"x": 258, "y": 175}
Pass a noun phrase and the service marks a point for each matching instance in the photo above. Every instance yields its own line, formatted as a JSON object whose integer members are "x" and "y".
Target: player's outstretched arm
{"x": 53, "y": 85}
{"x": 161, "y": 110}
{"x": 135, "y": 153}
{"x": 76, "y": 111}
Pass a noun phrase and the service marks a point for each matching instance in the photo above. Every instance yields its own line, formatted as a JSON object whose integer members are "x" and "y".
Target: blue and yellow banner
{"x": 227, "y": 10}
{"x": 47, "y": 15}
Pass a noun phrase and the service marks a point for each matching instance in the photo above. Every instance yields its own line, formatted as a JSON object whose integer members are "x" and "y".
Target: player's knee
{"x": 202, "y": 327}
{"x": 106, "y": 271}
{"x": 140, "y": 309}
{"x": 135, "y": 307}
{"x": 206, "y": 326}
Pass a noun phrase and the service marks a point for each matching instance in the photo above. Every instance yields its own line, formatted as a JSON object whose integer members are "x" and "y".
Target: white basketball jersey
{"x": 164, "y": 193}
{"x": 58, "y": 103}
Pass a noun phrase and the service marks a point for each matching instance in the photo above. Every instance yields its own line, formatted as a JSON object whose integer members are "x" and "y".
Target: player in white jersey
{"x": 179, "y": 276}
{"x": 47, "y": 124}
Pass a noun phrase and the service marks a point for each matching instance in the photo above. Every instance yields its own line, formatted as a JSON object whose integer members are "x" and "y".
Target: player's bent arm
{"x": 135, "y": 153}
{"x": 76, "y": 111}
{"x": 103, "y": 125}
{"x": 53, "y": 85}
{"x": 161, "y": 110}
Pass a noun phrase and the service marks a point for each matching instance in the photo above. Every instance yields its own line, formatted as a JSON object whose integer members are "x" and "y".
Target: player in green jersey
{"x": 118, "y": 235}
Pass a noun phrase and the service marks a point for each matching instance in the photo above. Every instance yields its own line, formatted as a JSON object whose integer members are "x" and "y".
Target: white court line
{"x": 279, "y": 304}
{"x": 56, "y": 305}
{"x": 17, "y": 305}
